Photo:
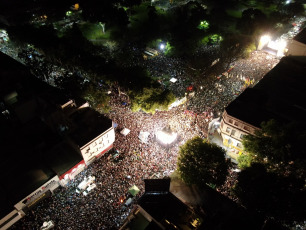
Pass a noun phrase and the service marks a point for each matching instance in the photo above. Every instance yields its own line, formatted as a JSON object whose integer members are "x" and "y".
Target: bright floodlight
{"x": 281, "y": 44}
{"x": 277, "y": 45}
{"x": 162, "y": 46}
{"x": 166, "y": 136}
{"x": 265, "y": 39}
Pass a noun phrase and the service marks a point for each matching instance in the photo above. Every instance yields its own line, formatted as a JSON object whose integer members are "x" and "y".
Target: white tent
{"x": 173, "y": 80}
{"x": 125, "y": 131}
{"x": 134, "y": 190}
{"x": 143, "y": 136}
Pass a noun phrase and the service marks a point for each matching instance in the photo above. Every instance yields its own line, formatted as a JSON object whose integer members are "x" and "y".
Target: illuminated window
{"x": 228, "y": 130}
{"x": 239, "y": 145}
{"x": 233, "y": 132}
{"x": 242, "y": 136}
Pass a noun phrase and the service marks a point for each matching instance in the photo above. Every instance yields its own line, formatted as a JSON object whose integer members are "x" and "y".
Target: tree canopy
{"x": 273, "y": 177}
{"x": 201, "y": 163}
{"x": 273, "y": 195}
{"x": 96, "y": 97}
{"x": 277, "y": 144}
{"x": 151, "y": 99}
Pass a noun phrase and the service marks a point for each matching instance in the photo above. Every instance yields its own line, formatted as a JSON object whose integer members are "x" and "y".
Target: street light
{"x": 162, "y": 46}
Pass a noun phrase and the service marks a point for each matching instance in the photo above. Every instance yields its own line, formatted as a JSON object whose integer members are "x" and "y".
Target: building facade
{"x": 232, "y": 131}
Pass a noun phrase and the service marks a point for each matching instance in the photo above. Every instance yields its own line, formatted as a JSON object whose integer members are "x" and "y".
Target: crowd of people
{"x": 104, "y": 207}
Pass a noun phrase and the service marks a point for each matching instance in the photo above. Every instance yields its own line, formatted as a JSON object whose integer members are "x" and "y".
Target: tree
{"x": 294, "y": 9}
{"x": 151, "y": 99}
{"x": 251, "y": 21}
{"x": 245, "y": 161}
{"x": 202, "y": 163}
{"x": 273, "y": 195}
{"x": 277, "y": 143}
{"x": 274, "y": 183}
{"x": 97, "y": 98}
{"x": 234, "y": 46}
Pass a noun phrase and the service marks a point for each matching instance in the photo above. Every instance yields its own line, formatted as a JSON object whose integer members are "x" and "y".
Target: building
{"x": 158, "y": 208}
{"x": 297, "y": 46}
{"x": 280, "y": 95}
{"x": 46, "y": 139}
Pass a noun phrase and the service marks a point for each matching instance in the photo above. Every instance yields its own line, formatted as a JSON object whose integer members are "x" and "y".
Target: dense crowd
{"x": 103, "y": 207}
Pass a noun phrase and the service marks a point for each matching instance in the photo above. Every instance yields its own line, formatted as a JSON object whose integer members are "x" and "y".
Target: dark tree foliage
{"x": 145, "y": 24}
{"x": 45, "y": 36}
{"x": 220, "y": 3}
{"x": 294, "y": 9}
{"x": 276, "y": 196}
{"x": 19, "y": 12}
{"x": 278, "y": 143}
{"x": 252, "y": 21}
{"x": 72, "y": 84}
{"x": 54, "y": 9}
{"x": 97, "y": 11}
{"x": 183, "y": 32}
{"x": 274, "y": 184}
{"x": 280, "y": 147}
{"x": 132, "y": 78}
{"x": 104, "y": 11}
{"x": 97, "y": 98}
{"x": 201, "y": 163}
{"x": 129, "y": 3}
{"x": 151, "y": 99}
{"x": 233, "y": 47}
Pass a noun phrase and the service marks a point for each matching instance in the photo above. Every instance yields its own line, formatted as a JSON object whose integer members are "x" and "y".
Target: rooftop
{"x": 279, "y": 95}
{"x": 301, "y": 36}
{"x": 160, "y": 209}
{"x": 31, "y": 152}
{"x": 87, "y": 124}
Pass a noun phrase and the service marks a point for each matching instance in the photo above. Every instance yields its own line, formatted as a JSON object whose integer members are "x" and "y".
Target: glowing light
{"x": 162, "y": 46}
{"x": 68, "y": 13}
{"x": 279, "y": 46}
{"x": 203, "y": 25}
{"x": 76, "y": 6}
{"x": 265, "y": 39}
{"x": 166, "y": 137}
{"x": 282, "y": 44}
